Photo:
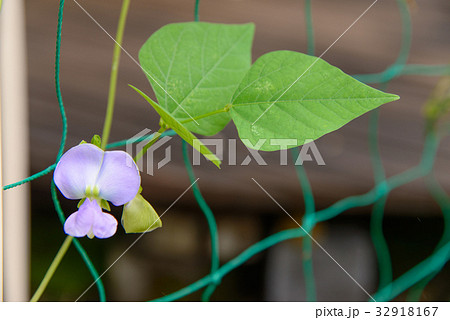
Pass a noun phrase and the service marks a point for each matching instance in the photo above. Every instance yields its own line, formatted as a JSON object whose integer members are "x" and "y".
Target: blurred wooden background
{"x": 370, "y": 46}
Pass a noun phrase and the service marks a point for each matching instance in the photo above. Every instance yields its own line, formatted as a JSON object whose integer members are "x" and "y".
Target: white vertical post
{"x": 14, "y": 135}
{"x": 1, "y": 192}
{"x": 1, "y": 204}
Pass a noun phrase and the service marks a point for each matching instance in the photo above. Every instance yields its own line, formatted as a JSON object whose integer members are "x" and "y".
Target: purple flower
{"x": 87, "y": 172}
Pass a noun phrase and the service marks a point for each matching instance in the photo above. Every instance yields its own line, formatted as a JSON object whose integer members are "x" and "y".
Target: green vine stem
{"x": 114, "y": 73}
{"x": 154, "y": 138}
{"x": 51, "y": 270}
{"x": 209, "y": 114}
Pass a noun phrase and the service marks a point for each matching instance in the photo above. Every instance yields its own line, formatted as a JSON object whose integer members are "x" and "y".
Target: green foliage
{"x": 198, "y": 68}
{"x": 289, "y": 95}
{"x": 194, "y": 69}
{"x": 180, "y": 129}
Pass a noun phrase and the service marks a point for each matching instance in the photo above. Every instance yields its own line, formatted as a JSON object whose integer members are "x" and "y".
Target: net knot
{"x": 382, "y": 189}
{"x": 216, "y": 278}
{"x": 308, "y": 223}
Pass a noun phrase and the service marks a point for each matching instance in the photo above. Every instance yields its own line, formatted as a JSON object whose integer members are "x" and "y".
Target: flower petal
{"x": 77, "y": 169}
{"x": 79, "y": 223}
{"x": 119, "y": 179}
{"x": 105, "y": 225}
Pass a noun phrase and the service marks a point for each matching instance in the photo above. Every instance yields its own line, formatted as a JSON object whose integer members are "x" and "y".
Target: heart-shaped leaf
{"x": 293, "y": 96}
{"x": 195, "y": 67}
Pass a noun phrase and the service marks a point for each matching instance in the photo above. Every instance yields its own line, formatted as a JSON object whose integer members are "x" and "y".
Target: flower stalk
{"x": 51, "y": 270}
{"x": 155, "y": 138}
{"x": 114, "y": 73}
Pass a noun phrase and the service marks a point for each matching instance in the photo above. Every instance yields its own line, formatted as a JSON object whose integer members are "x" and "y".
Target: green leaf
{"x": 195, "y": 67}
{"x": 289, "y": 95}
{"x": 181, "y": 130}
{"x": 139, "y": 216}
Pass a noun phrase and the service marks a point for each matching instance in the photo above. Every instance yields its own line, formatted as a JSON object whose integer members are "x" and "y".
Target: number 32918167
{"x": 406, "y": 311}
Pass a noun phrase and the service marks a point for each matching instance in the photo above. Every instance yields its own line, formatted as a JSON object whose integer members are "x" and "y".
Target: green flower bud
{"x": 139, "y": 216}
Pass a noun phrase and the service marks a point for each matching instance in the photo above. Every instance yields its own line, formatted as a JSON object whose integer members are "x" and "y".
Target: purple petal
{"x": 79, "y": 223}
{"x": 105, "y": 225}
{"x": 119, "y": 179}
{"x": 77, "y": 169}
